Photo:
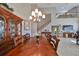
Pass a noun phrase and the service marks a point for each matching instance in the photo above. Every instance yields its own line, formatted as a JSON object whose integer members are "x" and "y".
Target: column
{"x": 21, "y": 28}
{"x": 16, "y": 28}
{"x": 6, "y": 26}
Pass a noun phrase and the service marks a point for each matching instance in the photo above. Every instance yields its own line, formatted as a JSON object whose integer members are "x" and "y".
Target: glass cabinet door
{"x": 12, "y": 28}
{"x": 1, "y": 27}
{"x": 18, "y": 29}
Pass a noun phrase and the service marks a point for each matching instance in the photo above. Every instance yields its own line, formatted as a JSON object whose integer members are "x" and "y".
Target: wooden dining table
{"x": 33, "y": 48}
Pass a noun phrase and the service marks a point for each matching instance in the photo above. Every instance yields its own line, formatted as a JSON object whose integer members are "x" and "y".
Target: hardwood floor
{"x": 32, "y": 48}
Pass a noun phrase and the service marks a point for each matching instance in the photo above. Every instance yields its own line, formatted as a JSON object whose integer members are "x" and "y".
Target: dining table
{"x": 33, "y": 47}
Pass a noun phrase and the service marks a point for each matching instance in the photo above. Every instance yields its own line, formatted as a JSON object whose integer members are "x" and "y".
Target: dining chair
{"x": 54, "y": 42}
{"x": 17, "y": 40}
{"x": 27, "y": 36}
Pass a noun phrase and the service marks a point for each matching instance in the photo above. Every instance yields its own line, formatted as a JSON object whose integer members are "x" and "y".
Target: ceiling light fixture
{"x": 37, "y": 15}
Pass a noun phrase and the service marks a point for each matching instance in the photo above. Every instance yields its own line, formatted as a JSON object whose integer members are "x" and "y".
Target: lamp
{"x": 36, "y": 10}
{"x": 43, "y": 16}
{"x": 37, "y": 15}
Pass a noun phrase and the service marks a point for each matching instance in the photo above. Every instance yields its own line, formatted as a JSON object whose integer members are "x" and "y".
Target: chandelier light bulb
{"x": 40, "y": 13}
{"x": 36, "y": 10}
{"x": 43, "y": 16}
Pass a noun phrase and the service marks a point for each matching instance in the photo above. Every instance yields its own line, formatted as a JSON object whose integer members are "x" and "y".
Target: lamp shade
{"x": 43, "y": 16}
{"x": 40, "y": 13}
{"x": 33, "y": 13}
{"x": 36, "y": 10}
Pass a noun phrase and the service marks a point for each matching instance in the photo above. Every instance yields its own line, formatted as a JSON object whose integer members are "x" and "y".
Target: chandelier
{"x": 37, "y": 15}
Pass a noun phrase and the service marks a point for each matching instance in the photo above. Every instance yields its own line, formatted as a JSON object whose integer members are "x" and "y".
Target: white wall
{"x": 67, "y": 21}
{"x": 33, "y": 29}
{"x": 22, "y": 10}
{"x": 51, "y": 11}
{"x": 63, "y": 21}
{"x": 48, "y": 27}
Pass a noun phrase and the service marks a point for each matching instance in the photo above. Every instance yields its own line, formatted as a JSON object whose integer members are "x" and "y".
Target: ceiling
{"x": 61, "y": 8}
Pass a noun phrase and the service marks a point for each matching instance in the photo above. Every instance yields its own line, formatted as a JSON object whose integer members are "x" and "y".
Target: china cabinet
{"x": 8, "y": 30}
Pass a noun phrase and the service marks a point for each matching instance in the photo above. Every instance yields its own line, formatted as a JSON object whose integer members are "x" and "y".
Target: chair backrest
{"x": 48, "y": 35}
{"x": 43, "y": 36}
{"x": 27, "y": 35}
{"x": 55, "y": 42}
{"x": 17, "y": 40}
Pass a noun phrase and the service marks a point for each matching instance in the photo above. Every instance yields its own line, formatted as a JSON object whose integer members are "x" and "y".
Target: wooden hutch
{"x": 8, "y": 42}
